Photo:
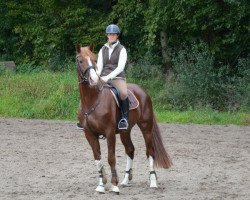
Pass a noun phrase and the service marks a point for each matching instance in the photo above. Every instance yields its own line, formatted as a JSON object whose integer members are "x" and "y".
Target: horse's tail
{"x": 161, "y": 157}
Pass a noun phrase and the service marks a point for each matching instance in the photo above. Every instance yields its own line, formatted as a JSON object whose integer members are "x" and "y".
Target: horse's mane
{"x": 86, "y": 52}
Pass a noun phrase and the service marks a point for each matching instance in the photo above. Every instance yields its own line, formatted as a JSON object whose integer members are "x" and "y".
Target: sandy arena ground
{"x": 52, "y": 160}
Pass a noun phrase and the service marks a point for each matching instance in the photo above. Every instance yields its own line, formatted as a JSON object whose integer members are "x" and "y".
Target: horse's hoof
{"x": 115, "y": 190}
{"x": 124, "y": 182}
{"x": 124, "y": 185}
{"x": 153, "y": 182}
{"x": 153, "y": 185}
{"x": 100, "y": 189}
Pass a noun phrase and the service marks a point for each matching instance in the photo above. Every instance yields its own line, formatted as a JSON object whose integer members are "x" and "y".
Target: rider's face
{"x": 112, "y": 37}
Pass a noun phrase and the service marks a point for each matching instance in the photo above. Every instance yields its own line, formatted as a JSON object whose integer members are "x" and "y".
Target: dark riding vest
{"x": 111, "y": 64}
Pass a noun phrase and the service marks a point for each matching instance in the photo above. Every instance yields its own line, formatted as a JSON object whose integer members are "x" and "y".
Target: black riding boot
{"x": 123, "y": 123}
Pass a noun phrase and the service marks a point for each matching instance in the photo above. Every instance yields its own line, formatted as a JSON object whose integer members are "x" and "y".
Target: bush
{"x": 244, "y": 81}
{"x": 145, "y": 68}
{"x": 29, "y": 68}
{"x": 147, "y": 74}
{"x": 58, "y": 62}
{"x": 198, "y": 83}
{"x": 55, "y": 65}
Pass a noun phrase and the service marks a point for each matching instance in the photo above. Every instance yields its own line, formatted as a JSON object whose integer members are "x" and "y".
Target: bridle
{"x": 83, "y": 73}
{"x": 84, "y": 79}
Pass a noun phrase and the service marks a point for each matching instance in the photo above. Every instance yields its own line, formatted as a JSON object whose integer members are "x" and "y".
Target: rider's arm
{"x": 99, "y": 63}
{"x": 121, "y": 64}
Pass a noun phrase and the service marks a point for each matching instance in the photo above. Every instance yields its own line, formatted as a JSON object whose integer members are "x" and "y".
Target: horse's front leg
{"x": 95, "y": 145}
{"x": 111, "y": 140}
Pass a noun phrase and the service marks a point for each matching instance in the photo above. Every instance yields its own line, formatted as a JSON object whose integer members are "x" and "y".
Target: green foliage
{"x": 28, "y": 68}
{"x": 223, "y": 25}
{"x": 215, "y": 74}
{"x": 145, "y": 68}
{"x": 39, "y": 95}
{"x": 204, "y": 116}
{"x": 44, "y": 32}
{"x": 129, "y": 16}
{"x": 47, "y": 95}
{"x": 150, "y": 77}
{"x": 198, "y": 84}
{"x": 48, "y": 30}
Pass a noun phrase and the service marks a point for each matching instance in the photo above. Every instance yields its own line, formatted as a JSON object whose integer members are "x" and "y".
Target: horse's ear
{"x": 78, "y": 48}
{"x": 91, "y": 47}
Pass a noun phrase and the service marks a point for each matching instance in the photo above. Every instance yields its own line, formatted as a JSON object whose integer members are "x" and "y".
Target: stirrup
{"x": 123, "y": 124}
{"x": 79, "y": 126}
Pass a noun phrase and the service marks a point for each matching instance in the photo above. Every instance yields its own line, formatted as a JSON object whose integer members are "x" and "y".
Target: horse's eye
{"x": 80, "y": 61}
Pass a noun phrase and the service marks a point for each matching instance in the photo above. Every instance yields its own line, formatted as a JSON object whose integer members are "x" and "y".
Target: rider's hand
{"x": 105, "y": 78}
{"x": 98, "y": 72}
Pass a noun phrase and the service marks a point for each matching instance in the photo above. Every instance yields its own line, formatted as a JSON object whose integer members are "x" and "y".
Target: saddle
{"x": 133, "y": 101}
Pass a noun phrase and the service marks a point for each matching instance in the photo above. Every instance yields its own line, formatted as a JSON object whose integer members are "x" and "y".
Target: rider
{"x": 111, "y": 62}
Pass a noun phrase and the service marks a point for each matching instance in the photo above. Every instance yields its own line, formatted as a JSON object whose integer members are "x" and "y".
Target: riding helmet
{"x": 112, "y": 28}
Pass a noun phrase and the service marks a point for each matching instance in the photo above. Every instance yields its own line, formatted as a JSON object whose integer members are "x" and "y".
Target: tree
{"x": 47, "y": 30}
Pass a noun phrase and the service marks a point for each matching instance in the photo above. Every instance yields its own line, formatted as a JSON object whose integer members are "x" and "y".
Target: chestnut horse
{"x": 98, "y": 113}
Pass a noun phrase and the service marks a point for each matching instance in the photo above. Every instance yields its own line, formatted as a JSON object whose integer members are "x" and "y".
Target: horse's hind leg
{"x": 95, "y": 145}
{"x": 146, "y": 128}
{"x": 129, "y": 148}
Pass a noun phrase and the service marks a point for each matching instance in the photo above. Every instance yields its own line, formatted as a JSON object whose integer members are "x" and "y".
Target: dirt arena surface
{"x": 52, "y": 160}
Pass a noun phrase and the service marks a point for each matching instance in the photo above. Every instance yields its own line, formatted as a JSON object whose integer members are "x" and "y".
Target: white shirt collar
{"x": 112, "y": 46}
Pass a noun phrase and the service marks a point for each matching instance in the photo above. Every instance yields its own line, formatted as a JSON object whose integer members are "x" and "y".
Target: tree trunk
{"x": 107, "y": 5}
{"x": 165, "y": 54}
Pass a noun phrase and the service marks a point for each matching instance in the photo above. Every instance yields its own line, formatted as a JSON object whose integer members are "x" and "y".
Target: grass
{"x": 43, "y": 95}
{"x": 46, "y": 95}
{"x": 204, "y": 117}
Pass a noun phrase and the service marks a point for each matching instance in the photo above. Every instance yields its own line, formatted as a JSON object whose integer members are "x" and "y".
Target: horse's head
{"x": 86, "y": 66}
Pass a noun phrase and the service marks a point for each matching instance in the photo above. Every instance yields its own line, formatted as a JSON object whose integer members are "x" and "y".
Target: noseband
{"x": 82, "y": 74}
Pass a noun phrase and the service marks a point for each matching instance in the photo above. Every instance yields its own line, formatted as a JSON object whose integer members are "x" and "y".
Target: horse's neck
{"x": 88, "y": 95}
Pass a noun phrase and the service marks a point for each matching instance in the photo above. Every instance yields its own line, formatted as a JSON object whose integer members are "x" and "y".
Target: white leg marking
{"x": 100, "y": 188}
{"x": 99, "y": 164}
{"x": 152, "y": 177}
{"x": 128, "y": 167}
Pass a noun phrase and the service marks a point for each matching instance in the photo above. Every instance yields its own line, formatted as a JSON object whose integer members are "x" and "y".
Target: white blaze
{"x": 92, "y": 72}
